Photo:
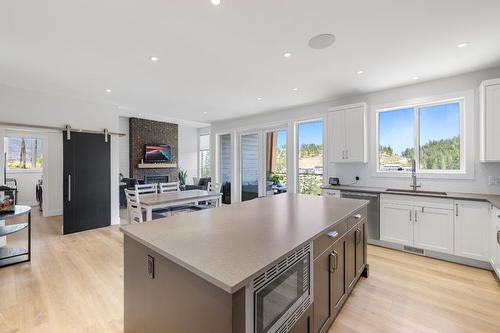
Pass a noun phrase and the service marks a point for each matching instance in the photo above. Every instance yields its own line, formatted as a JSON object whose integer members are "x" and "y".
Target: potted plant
{"x": 182, "y": 177}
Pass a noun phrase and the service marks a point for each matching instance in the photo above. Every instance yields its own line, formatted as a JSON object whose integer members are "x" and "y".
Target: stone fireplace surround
{"x": 143, "y": 132}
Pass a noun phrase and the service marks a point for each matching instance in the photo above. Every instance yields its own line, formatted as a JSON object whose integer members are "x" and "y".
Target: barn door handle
{"x": 69, "y": 188}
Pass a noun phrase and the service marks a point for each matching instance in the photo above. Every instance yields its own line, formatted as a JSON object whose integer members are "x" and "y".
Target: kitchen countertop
{"x": 491, "y": 198}
{"x": 229, "y": 245}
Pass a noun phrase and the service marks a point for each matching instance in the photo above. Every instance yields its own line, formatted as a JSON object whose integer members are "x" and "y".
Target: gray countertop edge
{"x": 228, "y": 288}
{"x": 451, "y": 195}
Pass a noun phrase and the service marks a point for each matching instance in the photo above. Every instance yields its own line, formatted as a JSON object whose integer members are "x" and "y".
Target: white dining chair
{"x": 169, "y": 187}
{"x": 142, "y": 189}
{"x": 213, "y": 187}
{"x": 133, "y": 207}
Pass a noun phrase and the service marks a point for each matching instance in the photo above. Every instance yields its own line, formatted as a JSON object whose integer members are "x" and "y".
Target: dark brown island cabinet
{"x": 339, "y": 262}
{"x": 173, "y": 286}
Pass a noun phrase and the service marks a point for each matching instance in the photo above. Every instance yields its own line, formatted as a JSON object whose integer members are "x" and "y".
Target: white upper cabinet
{"x": 347, "y": 133}
{"x": 489, "y": 120}
{"x": 471, "y": 229}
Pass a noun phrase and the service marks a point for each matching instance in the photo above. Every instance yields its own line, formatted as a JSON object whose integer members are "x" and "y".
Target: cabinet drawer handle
{"x": 332, "y": 234}
{"x": 357, "y": 216}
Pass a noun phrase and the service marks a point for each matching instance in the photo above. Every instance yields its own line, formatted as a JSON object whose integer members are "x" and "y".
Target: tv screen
{"x": 160, "y": 153}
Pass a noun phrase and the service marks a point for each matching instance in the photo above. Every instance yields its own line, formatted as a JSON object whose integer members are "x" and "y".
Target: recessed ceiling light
{"x": 295, "y": 89}
{"x": 140, "y": 114}
{"x": 215, "y": 2}
{"x": 287, "y": 54}
{"x": 205, "y": 112}
{"x": 322, "y": 41}
{"x": 415, "y": 78}
{"x": 154, "y": 59}
{"x": 108, "y": 91}
{"x": 259, "y": 98}
{"x": 464, "y": 44}
{"x": 359, "y": 72}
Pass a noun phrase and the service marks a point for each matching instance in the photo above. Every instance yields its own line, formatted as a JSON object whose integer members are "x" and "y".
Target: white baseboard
{"x": 54, "y": 212}
{"x": 29, "y": 203}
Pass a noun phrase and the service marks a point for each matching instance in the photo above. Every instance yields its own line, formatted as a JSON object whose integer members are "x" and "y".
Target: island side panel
{"x": 176, "y": 300}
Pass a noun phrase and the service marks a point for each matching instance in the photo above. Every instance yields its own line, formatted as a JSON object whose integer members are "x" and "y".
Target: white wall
{"x": 37, "y": 108}
{"x": 347, "y": 172}
{"x": 124, "y": 147}
{"x": 26, "y": 185}
{"x": 188, "y": 151}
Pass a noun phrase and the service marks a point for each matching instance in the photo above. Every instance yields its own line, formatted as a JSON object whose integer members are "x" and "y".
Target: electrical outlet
{"x": 493, "y": 180}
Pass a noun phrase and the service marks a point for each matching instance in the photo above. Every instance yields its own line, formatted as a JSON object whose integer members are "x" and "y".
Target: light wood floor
{"x": 75, "y": 284}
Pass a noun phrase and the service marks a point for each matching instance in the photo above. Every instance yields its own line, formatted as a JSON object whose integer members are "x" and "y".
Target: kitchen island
{"x": 203, "y": 271}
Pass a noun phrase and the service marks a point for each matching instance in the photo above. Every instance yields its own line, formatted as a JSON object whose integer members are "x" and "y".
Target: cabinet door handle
{"x": 410, "y": 216}
{"x": 332, "y": 234}
{"x": 347, "y": 154}
{"x": 358, "y": 236}
{"x": 498, "y": 237}
{"x": 456, "y": 209}
{"x": 332, "y": 264}
{"x": 357, "y": 216}
{"x": 416, "y": 216}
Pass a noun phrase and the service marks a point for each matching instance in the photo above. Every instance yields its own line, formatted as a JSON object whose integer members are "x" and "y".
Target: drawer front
{"x": 330, "y": 236}
{"x": 330, "y": 193}
{"x": 356, "y": 217}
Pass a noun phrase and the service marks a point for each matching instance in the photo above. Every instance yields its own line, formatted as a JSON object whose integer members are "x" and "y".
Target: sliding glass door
{"x": 310, "y": 157}
{"x": 224, "y": 151}
{"x": 276, "y": 163}
{"x": 249, "y": 166}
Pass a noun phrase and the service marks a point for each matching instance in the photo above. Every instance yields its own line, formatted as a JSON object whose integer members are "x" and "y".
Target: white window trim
{"x": 467, "y": 136}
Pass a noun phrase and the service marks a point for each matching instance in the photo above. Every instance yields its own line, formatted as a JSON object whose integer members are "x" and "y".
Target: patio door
{"x": 250, "y": 165}
{"x": 275, "y": 159}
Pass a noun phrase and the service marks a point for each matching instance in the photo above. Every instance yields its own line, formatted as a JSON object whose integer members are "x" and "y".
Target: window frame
{"x": 20, "y": 170}
{"x": 467, "y": 142}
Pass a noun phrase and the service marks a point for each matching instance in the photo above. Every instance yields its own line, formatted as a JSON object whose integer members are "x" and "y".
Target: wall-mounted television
{"x": 158, "y": 153}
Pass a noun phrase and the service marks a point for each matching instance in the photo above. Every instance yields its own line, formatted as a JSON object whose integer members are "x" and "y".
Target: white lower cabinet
{"x": 494, "y": 241}
{"x": 472, "y": 229}
{"x": 426, "y": 223}
{"x": 395, "y": 223}
{"x": 433, "y": 229}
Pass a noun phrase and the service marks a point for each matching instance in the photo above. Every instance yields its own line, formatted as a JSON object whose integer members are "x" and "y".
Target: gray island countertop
{"x": 229, "y": 245}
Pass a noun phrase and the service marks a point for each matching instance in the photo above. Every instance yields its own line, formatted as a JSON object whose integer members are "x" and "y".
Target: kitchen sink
{"x": 416, "y": 192}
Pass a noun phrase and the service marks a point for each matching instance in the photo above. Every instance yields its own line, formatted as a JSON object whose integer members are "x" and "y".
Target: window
{"x": 225, "y": 166}
{"x": 276, "y": 169}
{"x": 204, "y": 168}
{"x": 430, "y": 134}
{"x": 310, "y": 157}
{"x": 23, "y": 153}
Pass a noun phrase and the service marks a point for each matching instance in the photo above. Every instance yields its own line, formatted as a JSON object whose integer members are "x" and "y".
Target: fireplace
{"x": 152, "y": 179}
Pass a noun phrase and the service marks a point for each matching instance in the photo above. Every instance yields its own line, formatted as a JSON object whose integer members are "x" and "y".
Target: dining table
{"x": 150, "y": 202}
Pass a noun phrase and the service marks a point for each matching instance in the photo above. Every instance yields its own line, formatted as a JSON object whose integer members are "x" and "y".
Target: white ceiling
{"x": 220, "y": 59}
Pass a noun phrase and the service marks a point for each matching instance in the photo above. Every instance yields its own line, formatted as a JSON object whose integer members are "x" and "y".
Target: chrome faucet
{"x": 414, "y": 175}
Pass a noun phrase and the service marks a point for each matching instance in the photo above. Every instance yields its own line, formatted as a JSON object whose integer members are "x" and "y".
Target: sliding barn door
{"x": 87, "y": 182}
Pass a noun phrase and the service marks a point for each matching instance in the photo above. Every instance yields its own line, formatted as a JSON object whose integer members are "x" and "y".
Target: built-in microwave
{"x": 277, "y": 298}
